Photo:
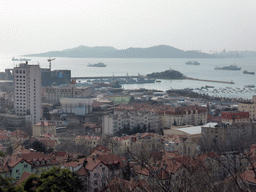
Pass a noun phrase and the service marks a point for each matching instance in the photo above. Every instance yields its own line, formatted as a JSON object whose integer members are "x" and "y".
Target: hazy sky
{"x": 33, "y": 26}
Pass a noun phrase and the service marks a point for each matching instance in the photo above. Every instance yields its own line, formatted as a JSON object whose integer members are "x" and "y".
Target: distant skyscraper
{"x": 27, "y": 82}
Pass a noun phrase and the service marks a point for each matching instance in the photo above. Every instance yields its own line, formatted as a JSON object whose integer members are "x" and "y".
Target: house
{"x": 33, "y": 162}
{"x": 102, "y": 167}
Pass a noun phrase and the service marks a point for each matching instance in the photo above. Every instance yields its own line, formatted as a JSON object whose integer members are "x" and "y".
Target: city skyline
{"x": 34, "y": 27}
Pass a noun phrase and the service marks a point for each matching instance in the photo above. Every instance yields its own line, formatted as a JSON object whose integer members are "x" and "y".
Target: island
{"x": 168, "y": 74}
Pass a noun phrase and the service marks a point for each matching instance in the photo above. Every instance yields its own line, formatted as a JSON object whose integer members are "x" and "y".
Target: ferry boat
{"x": 247, "y": 72}
{"x": 100, "y": 64}
{"x": 192, "y": 63}
{"x": 231, "y": 67}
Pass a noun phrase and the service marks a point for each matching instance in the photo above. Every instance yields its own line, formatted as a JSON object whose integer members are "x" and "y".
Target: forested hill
{"x": 168, "y": 74}
{"x": 160, "y": 51}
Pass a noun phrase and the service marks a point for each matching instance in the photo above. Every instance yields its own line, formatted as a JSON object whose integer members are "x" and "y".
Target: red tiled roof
{"x": 4, "y": 137}
{"x": 44, "y": 123}
{"x": 48, "y": 142}
{"x": 248, "y": 176}
{"x": 24, "y": 176}
{"x": 74, "y": 163}
{"x": 19, "y": 134}
{"x": 100, "y": 148}
{"x": 60, "y": 153}
{"x": 82, "y": 171}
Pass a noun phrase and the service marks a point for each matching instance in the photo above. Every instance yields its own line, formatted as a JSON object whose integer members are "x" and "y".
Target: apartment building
{"x": 119, "y": 119}
{"x": 27, "y": 91}
{"x": 249, "y": 106}
{"x": 78, "y": 106}
{"x": 185, "y": 115}
{"x": 224, "y": 137}
{"x": 54, "y": 93}
{"x": 230, "y": 117}
{"x": 43, "y": 127}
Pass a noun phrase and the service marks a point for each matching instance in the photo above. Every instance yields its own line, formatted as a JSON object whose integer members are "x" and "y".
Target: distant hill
{"x": 160, "y": 51}
{"x": 168, "y": 74}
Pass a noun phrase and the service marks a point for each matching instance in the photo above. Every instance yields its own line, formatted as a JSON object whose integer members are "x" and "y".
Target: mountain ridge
{"x": 158, "y": 51}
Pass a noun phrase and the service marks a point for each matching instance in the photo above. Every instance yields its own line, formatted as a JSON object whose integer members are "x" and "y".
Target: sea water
{"x": 143, "y": 66}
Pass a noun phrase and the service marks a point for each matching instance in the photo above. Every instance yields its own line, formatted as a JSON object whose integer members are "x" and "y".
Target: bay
{"x": 123, "y": 66}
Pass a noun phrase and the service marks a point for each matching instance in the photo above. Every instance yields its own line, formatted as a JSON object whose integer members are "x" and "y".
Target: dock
{"x": 105, "y": 77}
{"x": 214, "y": 81}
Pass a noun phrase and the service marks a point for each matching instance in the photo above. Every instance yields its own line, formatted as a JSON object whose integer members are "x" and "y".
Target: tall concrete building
{"x": 27, "y": 89}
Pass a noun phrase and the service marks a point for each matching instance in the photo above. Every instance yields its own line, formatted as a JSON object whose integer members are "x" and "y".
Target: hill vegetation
{"x": 168, "y": 74}
{"x": 160, "y": 51}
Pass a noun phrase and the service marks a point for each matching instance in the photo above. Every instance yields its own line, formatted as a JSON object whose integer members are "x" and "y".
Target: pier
{"x": 214, "y": 81}
{"x": 105, "y": 77}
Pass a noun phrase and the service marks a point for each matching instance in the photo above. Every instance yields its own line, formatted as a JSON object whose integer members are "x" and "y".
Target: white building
{"x": 113, "y": 122}
{"x": 78, "y": 106}
{"x": 27, "y": 90}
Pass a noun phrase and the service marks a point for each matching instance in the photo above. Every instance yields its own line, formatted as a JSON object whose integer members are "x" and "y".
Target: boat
{"x": 24, "y": 59}
{"x": 231, "y": 67}
{"x": 13, "y": 59}
{"x": 192, "y": 63}
{"x": 247, "y": 72}
{"x": 249, "y": 86}
{"x": 158, "y": 81}
{"x": 100, "y": 64}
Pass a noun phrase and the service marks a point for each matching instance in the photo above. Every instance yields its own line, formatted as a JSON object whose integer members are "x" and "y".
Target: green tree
{"x": 55, "y": 179}
{"x": 6, "y": 185}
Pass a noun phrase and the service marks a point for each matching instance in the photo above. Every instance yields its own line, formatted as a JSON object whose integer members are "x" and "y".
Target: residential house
{"x": 102, "y": 167}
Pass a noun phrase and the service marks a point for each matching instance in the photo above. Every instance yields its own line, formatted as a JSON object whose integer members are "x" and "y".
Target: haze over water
{"x": 117, "y": 67}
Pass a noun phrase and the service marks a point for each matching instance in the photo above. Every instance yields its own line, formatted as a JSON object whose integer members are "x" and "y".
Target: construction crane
{"x": 50, "y": 62}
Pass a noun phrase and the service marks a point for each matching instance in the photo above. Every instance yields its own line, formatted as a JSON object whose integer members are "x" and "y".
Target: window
{"x": 25, "y": 165}
{"x": 17, "y": 170}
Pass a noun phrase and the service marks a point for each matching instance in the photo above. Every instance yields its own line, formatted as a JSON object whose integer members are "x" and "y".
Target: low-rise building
{"x": 53, "y": 94}
{"x": 185, "y": 115}
{"x": 31, "y": 162}
{"x": 180, "y": 144}
{"x": 43, "y": 127}
{"x": 88, "y": 140}
{"x": 226, "y": 137}
{"x": 78, "y": 106}
{"x": 230, "y": 117}
{"x": 249, "y": 106}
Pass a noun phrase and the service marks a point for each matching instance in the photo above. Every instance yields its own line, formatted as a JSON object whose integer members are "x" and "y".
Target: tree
{"x": 56, "y": 179}
{"x": 6, "y": 185}
{"x": 39, "y": 146}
